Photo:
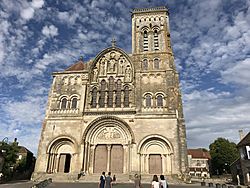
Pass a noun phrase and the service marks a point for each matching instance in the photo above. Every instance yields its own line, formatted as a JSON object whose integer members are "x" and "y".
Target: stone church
{"x": 118, "y": 112}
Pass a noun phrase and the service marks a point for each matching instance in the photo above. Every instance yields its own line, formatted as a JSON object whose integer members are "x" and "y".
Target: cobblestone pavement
{"x": 85, "y": 185}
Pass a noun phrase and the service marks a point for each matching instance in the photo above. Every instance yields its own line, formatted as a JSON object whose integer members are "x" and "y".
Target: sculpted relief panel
{"x": 113, "y": 63}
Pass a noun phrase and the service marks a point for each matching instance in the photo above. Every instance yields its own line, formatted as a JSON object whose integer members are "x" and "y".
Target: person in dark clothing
{"x": 102, "y": 180}
{"x": 108, "y": 181}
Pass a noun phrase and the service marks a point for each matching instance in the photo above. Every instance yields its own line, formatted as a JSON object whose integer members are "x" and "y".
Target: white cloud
{"x": 50, "y": 31}
{"x": 37, "y": 3}
{"x": 27, "y": 13}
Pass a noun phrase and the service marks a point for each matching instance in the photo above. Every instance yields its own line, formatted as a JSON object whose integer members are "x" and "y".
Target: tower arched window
{"x": 74, "y": 103}
{"x": 102, "y": 94}
{"x": 145, "y": 41}
{"x": 159, "y": 101}
{"x": 64, "y": 103}
{"x": 126, "y": 96}
{"x": 156, "y": 64}
{"x": 118, "y": 93}
{"x": 148, "y": 100}
{"x": 156, "y": 41}
{"x": 145, "y": 64}
{"x": 110, "y": 91}
{"x": 94, "y": 96}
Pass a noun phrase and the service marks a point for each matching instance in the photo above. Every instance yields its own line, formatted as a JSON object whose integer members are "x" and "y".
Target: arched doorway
{"x": 60, "y": 156}
{"x": 107, "y": 143}
{"x": 155, "y": 155}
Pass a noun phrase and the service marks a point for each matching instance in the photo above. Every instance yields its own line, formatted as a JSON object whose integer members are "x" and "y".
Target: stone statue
{"x": 128, "y": 74}
{"x": 95, "y": 74}
{"x": 121, "y": 66}
{"x": 103, "y": 66}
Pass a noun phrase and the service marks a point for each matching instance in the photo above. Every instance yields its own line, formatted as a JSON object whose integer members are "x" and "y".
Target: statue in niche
{"x": 112, "y": 65}
{"x": 103, "y": 66}
{"x": 121, "y": 66}
{"x": 95, "y": 74}
{"x": 128, "y": 74}
{"x": 112, "y": 55}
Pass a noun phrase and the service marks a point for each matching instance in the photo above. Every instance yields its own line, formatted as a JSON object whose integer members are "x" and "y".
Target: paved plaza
{"x": 85, "y": 185}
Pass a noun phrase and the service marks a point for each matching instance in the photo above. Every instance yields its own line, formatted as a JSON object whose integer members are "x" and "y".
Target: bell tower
{"x": 150, "y": 30}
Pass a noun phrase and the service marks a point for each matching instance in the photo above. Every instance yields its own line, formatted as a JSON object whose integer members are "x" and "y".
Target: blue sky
{"x": 211, "y": 44}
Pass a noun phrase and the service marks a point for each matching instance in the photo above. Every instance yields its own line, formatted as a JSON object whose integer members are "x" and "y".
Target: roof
{"x": 199, "y": 153}
{"x": 78, "y": 66}
{"x": 23, "y": 149}
{"x": 244, "y": 141}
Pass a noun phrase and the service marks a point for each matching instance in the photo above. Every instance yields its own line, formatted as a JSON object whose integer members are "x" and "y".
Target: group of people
{"x": 106, "y": 181}
{"x": 156, "y": 183}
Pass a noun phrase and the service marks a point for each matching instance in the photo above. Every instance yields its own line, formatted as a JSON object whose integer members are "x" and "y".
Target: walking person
{"x": 102, "y": 180}
{"x": 155, "y": 182}
{"x": 137, "y": 181}
{"x": 114, "y": 179}
{"x": 163, "y": 182}
{"x": 108, "y": 181}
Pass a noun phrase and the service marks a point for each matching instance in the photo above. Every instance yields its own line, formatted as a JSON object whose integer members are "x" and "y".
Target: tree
{"x": 223, "y": 153}
{"x": 10, "y": 157}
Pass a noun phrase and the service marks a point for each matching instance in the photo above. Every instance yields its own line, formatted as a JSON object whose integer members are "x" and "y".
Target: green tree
{"x": 10, "y": 157}
{"x": 223, "y": 153}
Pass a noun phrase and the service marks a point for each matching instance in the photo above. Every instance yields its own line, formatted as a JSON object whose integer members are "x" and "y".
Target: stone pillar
{"x": 125, "y": 161}
{"x": 122, "y": 99}
{"x": 109, "y": 157}
{"x": 97, "y": 99}
{"x": 85, "y": 156}
{"x": 147, "y": 163}
{"x": 163, "y": 164}
{"x": 57, "y": 157}
{"x": 48, "y": 170}
{"x": 91, "y": 159}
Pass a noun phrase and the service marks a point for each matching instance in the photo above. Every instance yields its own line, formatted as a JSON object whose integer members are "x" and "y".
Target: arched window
{"x": 94, "y": 96}
{"x": 126, "y": 96}
{"x": 145, "y": 41}
{"x": 74, "y": 103}
{"x": 148, "y": 100}
{"x": 145, "y": 64}
{"x": 118, "y": 94}
{"x": 156, "y": 64}
{"x": 102, "y": 94}
{"x": 64, "y": 103}
{"x": 110, "y": 91}
{"x": 159, "y": 101}
{"x": 156, "y": 41}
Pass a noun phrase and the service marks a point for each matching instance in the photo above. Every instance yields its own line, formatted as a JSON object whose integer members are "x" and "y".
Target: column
{"x": 142, "y": 162}
{"x": 122, "y": 99}
{"x": 91, "y": 159}
{"x": 109, "y": 157}
{"x": 125, "y": 162}
{"x": 57, "y": 157}
{"x": 163, "y": 163}
{"x": 97, "y": 99}
{"x": 85, "y": 156}
{"x": 147, "y": 163}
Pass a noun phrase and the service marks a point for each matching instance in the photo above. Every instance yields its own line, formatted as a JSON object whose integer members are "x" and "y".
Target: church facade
{"x": 118, "y": 112}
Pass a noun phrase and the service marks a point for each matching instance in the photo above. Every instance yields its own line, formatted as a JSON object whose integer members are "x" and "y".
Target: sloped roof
{"x": 23, "y": 149}
{"x": 199, "y": 153}
{"x": 245, "y": 141}
{"x": 78, "y": 66}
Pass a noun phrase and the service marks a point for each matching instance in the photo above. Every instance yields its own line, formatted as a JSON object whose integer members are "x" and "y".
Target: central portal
{"x": 109, "y": 157}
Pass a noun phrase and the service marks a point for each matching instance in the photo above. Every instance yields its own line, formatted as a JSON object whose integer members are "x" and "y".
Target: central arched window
{"x": 74, "y": 103}
{"x": 126, "y": 96}
{"x": 110, "y": 91}
{"x": 102, "y": 94}
{"x": 64, "y": 103}
{"x": 156, "y": 41}
{"x": 159, "y": 101}
{"x": 148, "y": 100}
{"x": 145, "y": 41}
{"x": 145, "y": 64}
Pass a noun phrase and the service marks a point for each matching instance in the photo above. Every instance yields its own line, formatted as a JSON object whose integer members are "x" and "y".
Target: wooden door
{"x": 155, "y": 164}
{"x": 100, "y": 162}
{"x": 117, "y": 158}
